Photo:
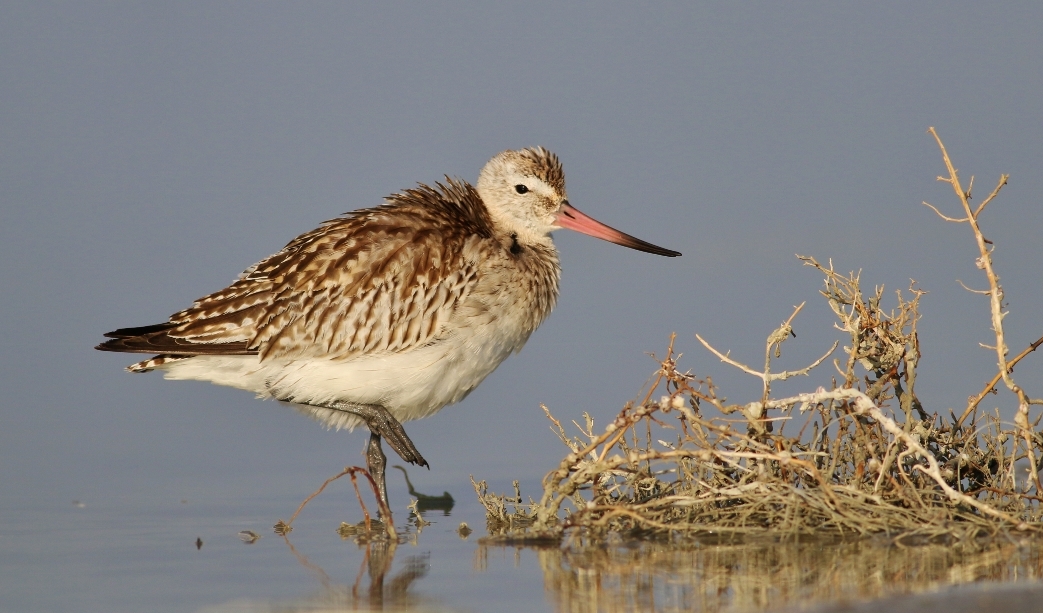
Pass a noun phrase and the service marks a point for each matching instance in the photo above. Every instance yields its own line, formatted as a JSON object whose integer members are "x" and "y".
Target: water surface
{"x": 158, "y": 554}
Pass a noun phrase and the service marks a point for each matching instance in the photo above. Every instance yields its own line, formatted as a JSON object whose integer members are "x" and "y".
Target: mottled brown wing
{"x": 382, "y": 279}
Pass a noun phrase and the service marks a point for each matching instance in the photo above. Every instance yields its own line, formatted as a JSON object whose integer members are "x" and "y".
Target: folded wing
{"x": 381, "y": 279}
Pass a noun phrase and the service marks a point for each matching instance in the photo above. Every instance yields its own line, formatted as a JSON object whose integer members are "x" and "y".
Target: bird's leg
{"x": 382, "y": 423}
{"x": 375, "y": 463}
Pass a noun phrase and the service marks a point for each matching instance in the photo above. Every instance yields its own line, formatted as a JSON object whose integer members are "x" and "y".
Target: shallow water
{"x": 176, "y": 555}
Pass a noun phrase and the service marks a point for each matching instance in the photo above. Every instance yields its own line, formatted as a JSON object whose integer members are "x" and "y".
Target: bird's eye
{"x": 521, "y": 189}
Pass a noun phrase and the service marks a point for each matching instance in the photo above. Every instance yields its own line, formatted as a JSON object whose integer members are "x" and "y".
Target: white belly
{"x": 411, "y": 384}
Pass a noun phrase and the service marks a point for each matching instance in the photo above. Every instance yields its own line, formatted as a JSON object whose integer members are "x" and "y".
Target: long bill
{"x": 570, "y": 217}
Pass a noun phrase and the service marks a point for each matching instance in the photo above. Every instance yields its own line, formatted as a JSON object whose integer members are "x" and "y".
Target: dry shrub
{"x": 861, "y": 456}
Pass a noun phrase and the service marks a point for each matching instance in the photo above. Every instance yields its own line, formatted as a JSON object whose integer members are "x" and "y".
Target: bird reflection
{"x": 425, "y": 502}
{"x": 382, "y": 591}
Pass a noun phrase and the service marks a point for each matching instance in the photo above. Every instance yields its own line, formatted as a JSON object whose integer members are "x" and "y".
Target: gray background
{"x": 150, "y": 152}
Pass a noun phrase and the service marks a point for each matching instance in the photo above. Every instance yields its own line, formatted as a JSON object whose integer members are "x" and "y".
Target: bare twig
{"x": 389, "y": 525}
{"x": 985, "y": 262}
{"x": 945, "y": 217}
{"x": 990, "y": 387}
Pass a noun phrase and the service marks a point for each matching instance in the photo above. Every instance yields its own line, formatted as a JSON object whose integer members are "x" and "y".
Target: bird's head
{"x": 524, "y": 191}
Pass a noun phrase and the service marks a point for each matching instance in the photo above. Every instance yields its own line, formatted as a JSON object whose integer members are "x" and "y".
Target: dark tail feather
{"x": 154, "y": 339}
{"x": 139, "y": 331}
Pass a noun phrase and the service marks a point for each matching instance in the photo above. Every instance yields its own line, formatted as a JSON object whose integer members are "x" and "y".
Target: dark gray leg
{"x": 375, "y": 463}
{"x": 382, "y": 424}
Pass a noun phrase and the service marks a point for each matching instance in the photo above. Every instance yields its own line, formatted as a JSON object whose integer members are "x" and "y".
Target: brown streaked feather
{"x": 546, "y": 166}
{"x": 380, "y": 279}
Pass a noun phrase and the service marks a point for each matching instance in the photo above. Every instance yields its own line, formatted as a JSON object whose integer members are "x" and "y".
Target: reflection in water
{"x": 752, "y": 576}
{"x": 375, "y": 587}
{"x": 825, "y": 576}
{"x": 426, "y": 502}
{"x": 381, "y": 592}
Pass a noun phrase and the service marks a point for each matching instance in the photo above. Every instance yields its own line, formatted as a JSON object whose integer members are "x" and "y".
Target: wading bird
{"x": 387, "y": 314}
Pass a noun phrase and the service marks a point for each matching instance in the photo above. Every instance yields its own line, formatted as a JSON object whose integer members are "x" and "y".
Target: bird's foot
{"x": 381, "y": 422}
